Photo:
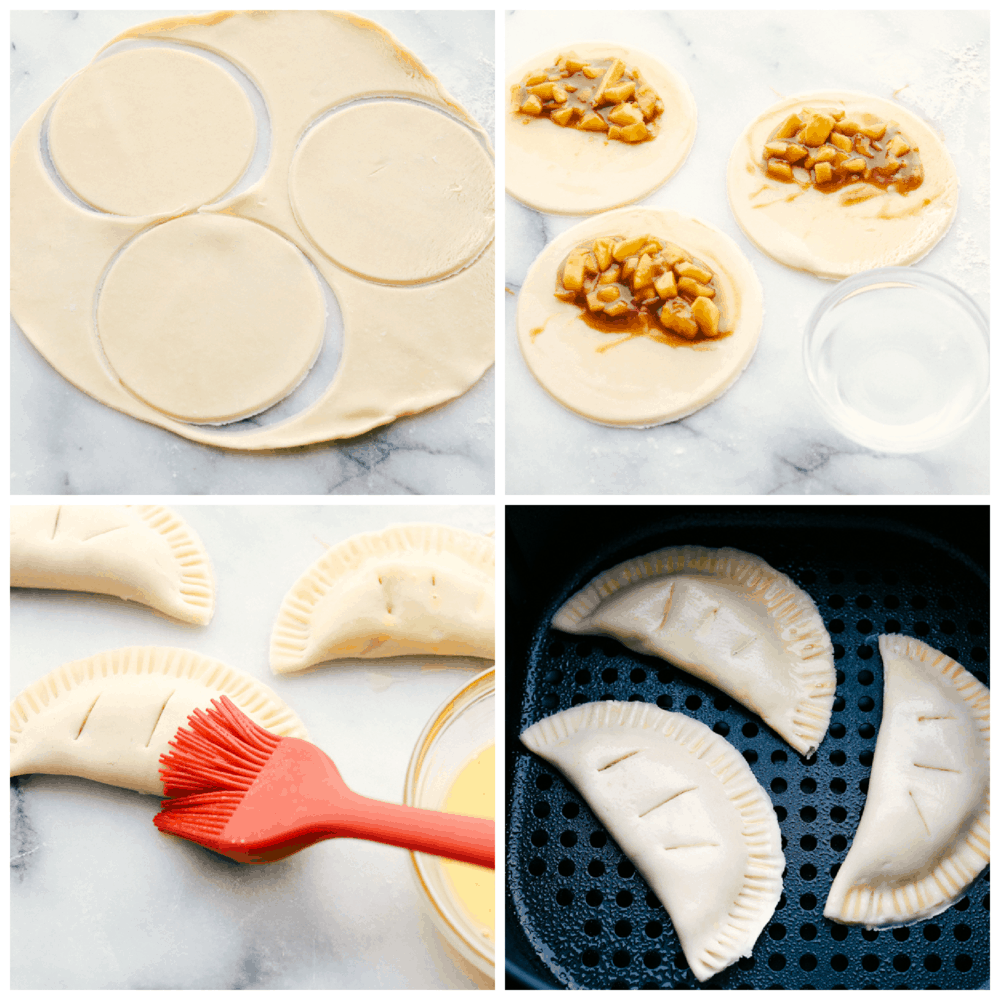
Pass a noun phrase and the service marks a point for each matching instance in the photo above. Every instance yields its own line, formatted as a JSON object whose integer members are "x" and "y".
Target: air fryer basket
{"x": 578, "y": 914}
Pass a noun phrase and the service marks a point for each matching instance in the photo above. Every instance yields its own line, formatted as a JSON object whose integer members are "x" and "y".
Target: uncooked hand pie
{"x": 836, "y": 183}
{"x": 924, "y": 835}
{"x": 686, "y": 809}
{"x": 166, "y": 296}
{"x": 414, "y": 589}
{"x": 639, "y": 316}
{"x": 143, "y": 553}
{"x": 110, "y": 717}
{"x": 724, "y": 616}
{"x": 593, "y": 126}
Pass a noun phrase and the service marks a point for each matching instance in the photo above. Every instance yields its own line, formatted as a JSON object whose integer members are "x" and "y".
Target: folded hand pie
{"x": 924, "y": 834}
{"x": 110, "y": 716}
{"x": 726, "y": 617}
{"x": 411, "y": 589}
{"x": 683, "y": 804}
{"x": 141, "y": 553}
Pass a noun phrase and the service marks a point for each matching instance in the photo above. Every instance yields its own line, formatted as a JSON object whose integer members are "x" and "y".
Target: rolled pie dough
{"x": 418, "y": 335}
{"x": 570, "y": 172}
{"x": 856, "y": 228}
{"x": 639, "y": 382}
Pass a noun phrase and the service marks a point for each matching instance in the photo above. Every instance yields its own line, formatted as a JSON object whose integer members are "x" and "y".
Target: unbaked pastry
{"x": 411, "y": 589}
{"x": 571, "y": 172}
{"x": 924, "y": 834}
{"x": 109, "y": 717}
{"x": 637, "y": 381}
{"x": 406, "y": 347}
{"x": 856, "y": 228}
{"x": 143, "y": 553}
{"x": 724, "y": 616}
{"x": 686, "y": 809}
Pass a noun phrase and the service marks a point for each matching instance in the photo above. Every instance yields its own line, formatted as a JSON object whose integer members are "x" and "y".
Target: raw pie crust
{"x": 727, "y": 617}
{"x": 413, "y": 589}
{"x": 924, "y": 834}
{"x": 145, "y": 553}
{"x": 640, "y": 382}
{"x": 686, "y": 809}
{"x": 834, "y": 235}
{"x": 109, "y": 717}
{"x": 570, "y": 172}
{"x": 406, "y": 347}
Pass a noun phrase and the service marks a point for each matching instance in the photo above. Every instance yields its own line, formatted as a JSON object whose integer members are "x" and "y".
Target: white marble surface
{"x": 765, "y": 435}
{"x": 101, "y": 900}
{"x": 63, "y": 442}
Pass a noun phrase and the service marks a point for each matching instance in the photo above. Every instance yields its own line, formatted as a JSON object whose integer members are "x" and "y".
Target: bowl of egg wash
{"x": 453, "y": 768}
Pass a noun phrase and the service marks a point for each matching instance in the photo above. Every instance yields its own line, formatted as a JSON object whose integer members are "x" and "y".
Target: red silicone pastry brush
{"x": 240, "y": 790}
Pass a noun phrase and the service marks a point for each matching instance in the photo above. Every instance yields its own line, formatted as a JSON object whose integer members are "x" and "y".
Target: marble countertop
{"x": 765, "y": 435}
{"x": 100, "y": 900}
{"x": 63, "y": 442}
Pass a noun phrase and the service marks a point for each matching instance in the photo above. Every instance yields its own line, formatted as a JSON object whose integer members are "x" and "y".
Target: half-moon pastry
{"x": 724, "y": 616}
{"x": 635, "y": 377}
{"x": 789, "y": 193}
{"x": 411, "y": 589}
{"x": 110, "y": 716}
{"x": 685, "y": 807}
{"x": 924, "y": 834}
{"x": 575, "y": 171}
{"x": 142, "y": 553}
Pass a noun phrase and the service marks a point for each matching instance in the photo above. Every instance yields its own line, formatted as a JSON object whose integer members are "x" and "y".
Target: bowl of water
{"x": 898, "y": 359}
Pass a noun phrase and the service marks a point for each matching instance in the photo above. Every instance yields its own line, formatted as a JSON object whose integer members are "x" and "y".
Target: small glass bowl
{"x": 461, "y": 728}
{"x": 898, "y": 359}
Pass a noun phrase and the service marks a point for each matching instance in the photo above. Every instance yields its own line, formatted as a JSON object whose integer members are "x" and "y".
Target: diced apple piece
{"x": 563, "y": 116}
{"x": 591, "y": 72}
{"x": 569, "y": 88}
{"x": 610, "y": 275}
{"x": 816, "y": 130}
{"x": 594, "y": 304}
{"x": 824, "y": 173}
{"x": 651, "y": 247}
{"x": 855, "y": 165}
{"x": 593, "y": 122}
{"x": 607, "y": 293}
{"x": 644, "y": 295}
{"x": 635, "y": 133}
{"x": 625, "y": 248}
{"x": 706, "y": 314}
{"x": 779, "y": 169}
{"x": 776, "y": 149}
{"x": 688, "y": 270}
{"x": 533, "y": 105}
{"x": 533, "y": 78}
{"x": 590, "y": 264}
{"x": 559, "y": 95}
{"x": 613, "y": 75}
{"x": 646, "y": 99}
{"x": 573, "y": 274}
{"x": 676, "y": 316}
{"x": 628, "y": 269}
{"x": 666, "y": 285}
{"x": 688, "y": 286}
{"x": 874, "y": 131}
{"x": 602, "y": 251}
{"x": 672, "y": 254}
{"x": 840, "y": 141}
{"x": 897, "y": 147}
{"x": 825, "y": 154}
{"x": 891, "y": 165}
{"x": 643, "y": 272}
{"x": 616, "y": 308}
{"x": 619, "y": 92}
{"x": 849, "y": 126}
{"x": 625, "y": 114}
{"x": 574, "y": 65}
{"x": 615, "y": 132}
{"x": 542, "y": 90}
{"x": 788, "y": 127}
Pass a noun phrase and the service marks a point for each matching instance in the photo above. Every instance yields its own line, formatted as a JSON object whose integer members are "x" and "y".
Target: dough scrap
{"x": 415, "y": 182}
{"x": 637, "y": 382}
{"x": 924, "y": 834}
{"x": 411, "y": 589}
{"x": 569, "y": 172}
{"x": 684, "y": 806}
{"x": 142, "y": 553}
{"x": 406, "y": 348}
{"x": 152, "y": 132}
{"x": 109, "y": 717}
{"x": 859, "y": 227}
{"x": 727, "y": 617}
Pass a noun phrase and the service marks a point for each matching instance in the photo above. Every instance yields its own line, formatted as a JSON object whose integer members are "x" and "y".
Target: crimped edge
{"x": 254, "y": 698}
{"x": 755, "y": 903}
{"x": 806, "y": 639}
{"x": 292, "y": 632}
{"x": 874, "y": 906}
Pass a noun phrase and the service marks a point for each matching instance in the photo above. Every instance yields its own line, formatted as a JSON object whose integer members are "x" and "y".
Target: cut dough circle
{"x": 152, "y": 132}
{"x": 394, "y": 191}
{"x": 640, "y": 382}
{"x": 109, "y": 717}
{"x": 413, "y": 589}
{"x": 570, "y": 172}
{"x": 143, "y": 553}
{"x": 686, "y": 809}
{"x": 727, "y": 617}
{"x": 834, "y": 235}
{"x": 924, "y": 834}
{"x": 210, "y": 318}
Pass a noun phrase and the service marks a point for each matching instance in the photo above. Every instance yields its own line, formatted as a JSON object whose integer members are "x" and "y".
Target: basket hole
{"x": 584, "y": 649}
{"x": 836, "y": 576}
{"x": 838, "y": 758}
{"x": 866, "y": 676}
{"x": 665, "y": 676}
{"x": 636, "y": 697}
{"x": 776, "y": 962}
{"x": 963, "y": 963}
{"x": 838, "y": 814}
{"x": 750, "y": 756}
{"x": 865, "y": 758}
{"x": 838, "y": 963}
{"x": 891, "y": 601}
{"x": 618, "y": 984}
{"x": 869, "y": 934}
{"x": 863, "y": 786}
{"x": 807, "y": 901}
{"x": 598, "y": 838}
{"x": 623, "y": 928}
{"x": 901, "y": 963}
{"x": 591, "y": 958}
{"x": 807, "y": 814}
{"x": 807, "y": 962}
{"x": 808, "y": 843}
{"x": 808, "y": 872}
{"x": 867, "y": 731}
{"x": 932, "y": 962}
{"x": 808, "y": 785}
{"x": 571, "y": 810}
{"x": 654, "y": 929}
{"x": 747, "y": 963}
{"x": 918, "y": 601}
{"x": 776, "y": 931}
{"x": 595, "y": 897}
{"x": 651, "y": 959}
{"x": 544, "y": 782}
{"x": 807, "y": 576}
{"x": 865, "y": 653}
{"x": 782, "y": 900}
{"x": 626, "y": 869}
{"x": 621, "y": 959}
{"x": 808, "y": 932}
{"x": 779, "y": 757}
{"x": 637, "y": 676}
{"x": 978, "y": 654}
{"x": 592, "y": 928}
{"x": 541, "y": 809}
{"x": 838, "y": 731}
{"x": 556, "y": 649}
{"x": 836, "y": 627}
{"x": 539, "y": 838}
{"x": 624, "y": 898}
{"x": 835, "y": 601}
{"x": 866, "y": 704}
{"x": 692, "y": 702}
{"x": 893, "y": 625}
{"x": 838, "y": 843}
{"x": 948, "y": 627}
{"x": 550, "y": 701}
{"x": 652, "y": 902}
{"x": 864, "y": 627}
{"x": 779, "y": 785}
{"x": 665, "y": 702}
{"x": 922, "y": 628}
{"x": 901, "y": 933}
{"x": 976, "y": 627}
{"x": 564, "y": 897}
{"x": 536, "y": 866}
{"x": 863, "y": 601}
{"x": 781, "y": 812}
{"x": 596, "y": 868}
{"x": 722, "y": 704}
{"x": 553, "y": 677}
{"x": 722, "y": 728}
{"x": 609, "y": 675}
{"x": 838, "y": 654}
{"x": 841, "y": 677}
{"x": 963, "y": 932}
{"x": 932, "y": 932}
{"x": 583, "y": 677}
{"x": 963, "y": 903}
{"x": 577, "y": 699}
{"x": 566, "y": 868}
{"x": 838, "y": 704}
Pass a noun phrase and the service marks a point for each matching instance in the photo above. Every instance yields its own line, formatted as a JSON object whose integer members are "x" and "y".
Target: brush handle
{"x": 461, "y": 838}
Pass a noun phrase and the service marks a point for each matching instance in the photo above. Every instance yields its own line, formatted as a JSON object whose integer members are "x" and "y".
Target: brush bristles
{"x": 197, "y": 816}
{"x": 224, "y": 752}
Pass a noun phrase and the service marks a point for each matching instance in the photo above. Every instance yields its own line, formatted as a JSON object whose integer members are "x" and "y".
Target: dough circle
{"x": 825, "y": 233}
{"x": 570, "y": 172}
{"x": 210, "y": 318}
{"x": 394, "y": 191}
{"x": 152, "y": 132}
{"x": 640, "y": 382}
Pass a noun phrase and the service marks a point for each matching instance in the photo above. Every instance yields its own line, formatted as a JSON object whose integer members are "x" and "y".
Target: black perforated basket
{"x": 578, "y": 915}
